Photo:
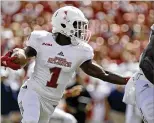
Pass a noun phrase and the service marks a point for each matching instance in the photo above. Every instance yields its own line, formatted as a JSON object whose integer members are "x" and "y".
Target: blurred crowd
{"x": 120, "y": 32}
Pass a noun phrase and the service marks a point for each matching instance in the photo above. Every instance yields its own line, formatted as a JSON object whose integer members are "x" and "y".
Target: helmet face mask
{"x": 70, "y": 21}
{"x": 81, "y": 31}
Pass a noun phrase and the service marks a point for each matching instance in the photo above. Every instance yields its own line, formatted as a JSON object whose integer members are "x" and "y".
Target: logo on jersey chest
{"x": 47, "y": 44}
{"x": 60, "y": 61}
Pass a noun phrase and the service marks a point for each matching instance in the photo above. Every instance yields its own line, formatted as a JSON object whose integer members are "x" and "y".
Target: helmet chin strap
{"x": 73, "y": 38}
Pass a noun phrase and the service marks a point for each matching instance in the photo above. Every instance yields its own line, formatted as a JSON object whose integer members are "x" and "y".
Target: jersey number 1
{"x": 55, "y": 74}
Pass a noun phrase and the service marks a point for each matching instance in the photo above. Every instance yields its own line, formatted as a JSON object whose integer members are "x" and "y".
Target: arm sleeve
{"x": 33, "y": 41}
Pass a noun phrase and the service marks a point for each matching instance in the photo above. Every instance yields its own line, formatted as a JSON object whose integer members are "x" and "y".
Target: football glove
{"x": 7, "y": 61}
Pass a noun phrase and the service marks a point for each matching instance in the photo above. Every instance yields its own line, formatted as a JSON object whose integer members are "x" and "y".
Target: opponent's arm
{"x": 147, "y": 59}
{"x": 96, "y": 71}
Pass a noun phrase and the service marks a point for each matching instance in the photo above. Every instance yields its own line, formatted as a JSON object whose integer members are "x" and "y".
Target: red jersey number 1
{"x": 55, "y": 74}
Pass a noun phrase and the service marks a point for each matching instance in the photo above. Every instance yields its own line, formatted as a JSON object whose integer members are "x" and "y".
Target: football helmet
{"x": 71, "y": 22}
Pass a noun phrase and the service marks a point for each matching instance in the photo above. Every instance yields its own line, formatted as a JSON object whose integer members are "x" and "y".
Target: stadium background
{"x": 120, "y": 32}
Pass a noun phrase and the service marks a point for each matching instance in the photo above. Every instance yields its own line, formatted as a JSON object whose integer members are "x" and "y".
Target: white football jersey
{"x": 55, "y": 64}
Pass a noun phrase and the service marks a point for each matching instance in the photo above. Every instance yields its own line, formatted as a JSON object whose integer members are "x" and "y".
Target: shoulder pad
{"x": 39, "y": 33}
{"x": 85, "y": 47}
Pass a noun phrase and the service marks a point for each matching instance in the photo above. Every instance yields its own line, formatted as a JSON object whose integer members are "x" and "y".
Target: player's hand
{"x": 76, "y": 90}
{"x": 127, "y": 79}
{"x": 6, "y": 58}
{"x": 7, "y": 61}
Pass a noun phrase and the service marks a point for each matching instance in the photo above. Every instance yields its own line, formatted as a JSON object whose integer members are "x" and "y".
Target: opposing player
{"x": 147, "y": 58}
{"x": 58, "y": 55}
{"x": 140, "y": 88}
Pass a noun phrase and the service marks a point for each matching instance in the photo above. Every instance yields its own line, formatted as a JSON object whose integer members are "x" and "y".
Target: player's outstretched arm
{"x": 147, "y": 58}
{"x": 96, "y": 71}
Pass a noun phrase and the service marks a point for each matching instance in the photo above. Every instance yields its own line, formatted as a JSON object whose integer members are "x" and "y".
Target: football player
{"x": 58, "y": 55}
{"x": 145, "y": 94}
{"x": 140, "y": 88}
{"x": 147, "y": 58}
{"x": 59, "y": 116}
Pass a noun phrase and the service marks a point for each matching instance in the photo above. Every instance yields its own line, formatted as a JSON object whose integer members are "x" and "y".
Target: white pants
{"x": 145, "y": 100}
{"x": 31, "y": 108}
{"x": 132, "y": 114}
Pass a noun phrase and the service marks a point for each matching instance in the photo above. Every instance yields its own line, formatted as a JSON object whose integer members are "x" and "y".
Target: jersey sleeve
{"x": 33, "y": 40}
{"x": 87, "y": 55}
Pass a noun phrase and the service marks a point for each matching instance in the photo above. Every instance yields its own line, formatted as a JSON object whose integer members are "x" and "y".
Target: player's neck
{"x": 62, "y": 39}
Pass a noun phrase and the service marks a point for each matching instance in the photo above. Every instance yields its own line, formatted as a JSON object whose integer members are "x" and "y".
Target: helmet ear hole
{"x": 63, "y": 25}
{"x": 75, "y": 24}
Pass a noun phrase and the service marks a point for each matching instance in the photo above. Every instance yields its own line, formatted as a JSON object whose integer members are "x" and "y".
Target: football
{"x": 21, "y": 57}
